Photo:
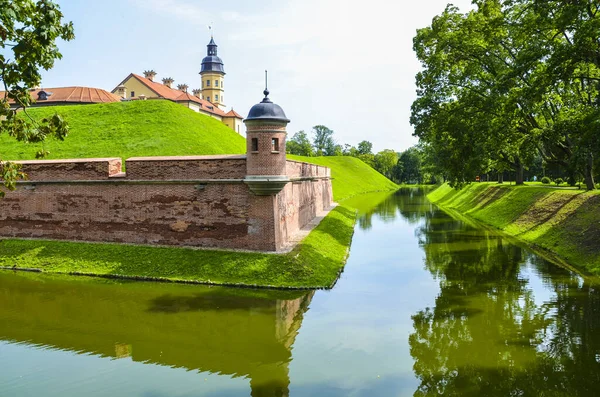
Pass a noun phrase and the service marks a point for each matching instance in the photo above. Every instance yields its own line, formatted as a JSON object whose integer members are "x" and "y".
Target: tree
{"x": 385, "y": 162}
{"x": 410, "y": 161}
{"x": 508, "y": 82}
{"x": 365, "y": 147}
{"x": 323, "y": 141}
{"x": 300, "y": 145}
{"x": 28, "y": 34}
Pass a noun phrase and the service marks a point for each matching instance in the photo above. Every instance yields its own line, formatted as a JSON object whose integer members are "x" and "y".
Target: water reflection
{"x": 428, "y": 305}
{"x": 488, "y": 333}
{"x": 240, "y": 333}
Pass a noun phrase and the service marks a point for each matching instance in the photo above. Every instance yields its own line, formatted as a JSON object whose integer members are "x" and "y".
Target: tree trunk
{"x": 519, "y": 174}
{"x": 500, "y": 177}
{"x": 589, "y": 173}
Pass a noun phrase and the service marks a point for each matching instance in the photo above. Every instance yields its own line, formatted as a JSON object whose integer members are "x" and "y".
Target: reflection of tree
{"x": 408, "y": 202}
{"x": 487, "y": 335}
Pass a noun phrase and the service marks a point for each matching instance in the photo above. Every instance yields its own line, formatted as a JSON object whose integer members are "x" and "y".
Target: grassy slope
{"x": 350, "y": 176}
{"x": 154, "y": 128}
{"x": 564, "y": 222}
{"x": 130, "y": 129}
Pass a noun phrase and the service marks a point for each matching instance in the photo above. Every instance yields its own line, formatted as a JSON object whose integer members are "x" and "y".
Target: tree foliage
{"x": 300, "y": 145}
{"x": 323, "y": 141}
{"x": 29, "y": 32}
{"x": 507, "y": 83}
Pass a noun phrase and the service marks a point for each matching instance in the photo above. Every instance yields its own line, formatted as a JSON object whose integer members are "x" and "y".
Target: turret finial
{"x": 266, "y": 91}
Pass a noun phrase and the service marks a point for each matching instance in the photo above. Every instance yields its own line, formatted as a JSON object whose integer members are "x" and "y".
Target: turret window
{"x": 255, "y": 144}
{"x": 275, "y": 145}
{"x": 208, "y": 83}
{"x": 216, "y": 98}
{"x": 216, "y": 83}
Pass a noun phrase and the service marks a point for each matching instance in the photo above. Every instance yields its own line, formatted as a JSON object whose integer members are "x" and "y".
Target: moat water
{"x": 427, "y": 305}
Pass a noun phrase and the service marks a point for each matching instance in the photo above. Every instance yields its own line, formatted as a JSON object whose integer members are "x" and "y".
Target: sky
{"x": 345, "y": 64}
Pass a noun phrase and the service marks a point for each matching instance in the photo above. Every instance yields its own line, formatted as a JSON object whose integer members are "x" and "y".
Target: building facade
{"x": 209, "y": 99}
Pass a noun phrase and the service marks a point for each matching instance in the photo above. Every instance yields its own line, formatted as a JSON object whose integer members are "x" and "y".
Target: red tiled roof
{"x": 233, "y": 113}
{"x": 204, "y": 104}
{"x": 162, "y": 91}
{"x": 72, "y": 95}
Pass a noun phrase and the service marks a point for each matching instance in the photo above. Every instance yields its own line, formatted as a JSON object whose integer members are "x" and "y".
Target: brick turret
{"x": 265, "y": 147}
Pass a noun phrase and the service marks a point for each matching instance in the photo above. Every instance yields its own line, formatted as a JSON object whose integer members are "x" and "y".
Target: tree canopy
{"x": 29, "y": 32}
{"x": 507, "y": 83}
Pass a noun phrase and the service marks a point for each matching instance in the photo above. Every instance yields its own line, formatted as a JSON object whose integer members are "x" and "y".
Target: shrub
{"x": 558, "y": 181}
{"x": 546, "y": 180}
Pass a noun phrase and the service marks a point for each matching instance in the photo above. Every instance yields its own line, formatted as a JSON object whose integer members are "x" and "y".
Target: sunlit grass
{"x": 563, "y": 221}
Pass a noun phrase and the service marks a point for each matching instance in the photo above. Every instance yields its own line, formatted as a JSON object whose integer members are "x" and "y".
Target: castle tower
{"x": 265, "y": 148}
{"x": 213, "y": 74}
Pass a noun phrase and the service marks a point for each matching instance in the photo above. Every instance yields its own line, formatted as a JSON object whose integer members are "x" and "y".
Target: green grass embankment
{"x": 350, "y": 176}
{"x": 129, "y": 129}
{"x": 564, "y": 222}
{"x": 161, "y": 128}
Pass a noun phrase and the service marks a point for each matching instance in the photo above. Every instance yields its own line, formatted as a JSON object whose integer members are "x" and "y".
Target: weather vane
{"x": 211, "y": 29}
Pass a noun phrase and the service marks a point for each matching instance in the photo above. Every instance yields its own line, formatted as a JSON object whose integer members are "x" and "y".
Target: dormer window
{"x": 43, "y": 95}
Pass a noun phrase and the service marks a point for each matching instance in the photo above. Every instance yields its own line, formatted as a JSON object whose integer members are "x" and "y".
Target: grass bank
{"x": 565, "y": 222}
{"x": 129, "y": 129}
{"x": 351, "y": 176}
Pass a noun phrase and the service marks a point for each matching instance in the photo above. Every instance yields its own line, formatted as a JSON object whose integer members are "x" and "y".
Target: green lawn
{"x": 350, "y": 176}
{"x": 161, "y": 128}
{"x": 130, "y": 129}
{"x": 565, "y": 222}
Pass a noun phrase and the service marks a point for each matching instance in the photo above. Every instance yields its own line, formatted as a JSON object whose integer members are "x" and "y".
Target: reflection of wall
{"x": 240, "y": 333}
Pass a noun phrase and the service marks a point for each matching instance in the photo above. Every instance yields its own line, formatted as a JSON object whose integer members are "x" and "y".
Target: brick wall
{"x": 182, "y": 201}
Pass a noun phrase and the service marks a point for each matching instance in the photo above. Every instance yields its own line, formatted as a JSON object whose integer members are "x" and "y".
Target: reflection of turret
{"x": 236, "y": 332}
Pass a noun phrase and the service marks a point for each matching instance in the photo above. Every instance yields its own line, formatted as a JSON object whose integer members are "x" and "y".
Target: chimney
{"x": 182, "y": 87}
{"x": 149, "y": 74}
{"x": 197, "y": 92}
{"x": 168, "y": 81}
{"x": 122, "y": 91}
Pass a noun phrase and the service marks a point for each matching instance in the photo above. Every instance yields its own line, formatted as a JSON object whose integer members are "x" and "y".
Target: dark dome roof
{"x": 212, "y": 63}
{"x": 267, "y": 110}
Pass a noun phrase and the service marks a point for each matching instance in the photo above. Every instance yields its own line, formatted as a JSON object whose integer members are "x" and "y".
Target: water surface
{"x": 427, "y": 306}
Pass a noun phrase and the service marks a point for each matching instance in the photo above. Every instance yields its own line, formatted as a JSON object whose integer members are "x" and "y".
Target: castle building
{"x": 209, "y": 99}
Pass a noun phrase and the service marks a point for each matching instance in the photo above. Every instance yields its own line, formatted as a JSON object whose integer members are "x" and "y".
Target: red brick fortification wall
{"x": 300, "y": 201}
{"x": 185, "y": 201}
{"x": 193, "y": 201}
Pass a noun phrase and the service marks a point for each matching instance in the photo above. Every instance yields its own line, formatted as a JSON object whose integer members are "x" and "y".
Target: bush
{"x": 558, "y": 181}
{"x": 546, "y": 180}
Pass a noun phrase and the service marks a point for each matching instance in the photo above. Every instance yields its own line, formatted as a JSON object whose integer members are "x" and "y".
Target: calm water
{"x": 427, "y": 306}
